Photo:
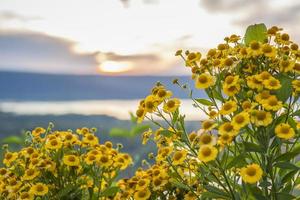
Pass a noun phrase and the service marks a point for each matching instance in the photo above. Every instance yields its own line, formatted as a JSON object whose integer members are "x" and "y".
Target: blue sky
{"x": 126, "y": 37}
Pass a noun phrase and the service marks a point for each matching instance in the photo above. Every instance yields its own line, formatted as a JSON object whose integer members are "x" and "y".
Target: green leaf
{"x": 236, "y": 161}
{"x": 285, "y": 196}
{"x": 180, "y": 185}
{"x": 289, "y": 155}
{"x": 252, "y": 147}
{"x": 110, "y": 191}
{"x": 213, "y": 196}
{"x": 64, "y": 192}
{"x": 286, "y": 165}
{"x": 13, "y": 140}
{"x": 204, "y": 102}
{"x": 257, "y": 32}
{"x": 119, "y": 132}
{"x": 138, "y": 129}
{"x": 215, "y": 190}
{"x": 286, "y": 88}
{"x": 289, "y": 176}
{"x": 166, "y": 133}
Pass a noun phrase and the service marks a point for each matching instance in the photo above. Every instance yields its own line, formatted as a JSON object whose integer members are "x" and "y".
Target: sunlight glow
{"x": 114, "y": 67}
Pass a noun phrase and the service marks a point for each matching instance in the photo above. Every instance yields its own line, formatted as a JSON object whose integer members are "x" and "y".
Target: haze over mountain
{"x": 19, "y": 86}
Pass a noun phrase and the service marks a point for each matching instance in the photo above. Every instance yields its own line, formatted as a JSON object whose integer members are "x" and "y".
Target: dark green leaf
{"x": 285, "y": 196}
{"x": 288, "y": 176}
{"x": 252, "y": 147}
{"x": 110, "y": 191}
{"x": 204, "y": 102}
{"x": 257, "y": 32}
{"x": 216, "y": 190}
{"x": 180, "y": 185}
{"x": 286, "y": 88}
{"x": 236, "y": 161}
{"x": 286, "y": 165}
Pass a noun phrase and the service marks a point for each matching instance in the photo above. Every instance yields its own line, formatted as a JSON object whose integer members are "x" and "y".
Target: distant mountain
{"x": 19, "y": 86}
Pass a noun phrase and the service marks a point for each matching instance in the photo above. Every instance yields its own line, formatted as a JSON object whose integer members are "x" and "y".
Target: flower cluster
{"x": 248, "y": 144}
{"x": 61, "y": 165}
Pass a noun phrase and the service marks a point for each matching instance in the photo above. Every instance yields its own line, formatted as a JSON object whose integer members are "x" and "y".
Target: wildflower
{"x": 297, "y": 67}
{"x": 204, "y": 81}
{"x": 254, "y": 83}
{"x": 272, "y": 84}
{"x": 53, "y": 144}
{"x": 268, "y": 51}
{"x": 262, "y": 96}
{"x": 225, "y": 138}
{"x": 158, "y": 182}
{"x": 286, "y": 65}
{"x": 261, "y": 118}
{"x": 26, "y": 196}
{"x": 265, "y": 75}
{"x": 90, "y": 139}
{"x": 272, "y": 104}
{"x": 247, "y": 105}
{"x": 142, "y": 194}
{"x": 151, "y": 103}
{"x": 71, "y": 160}
{"x": 208, "y": 125}
{"x": 240, "y": 120}
{"x": 39, "y": 189}
{"x": 142, "y": 184}
{"x": 296, "y": 85}
{"x": 207, "y": 153}
{"x": 9, "y": 157}
{"x": 30, "y": 174}
{"x": 231, "y": 80}
{"x": 228, "y": 128}
{"x": 255, "y": 48}
{"x": 284, "y": 131}
{"x": 38, "y": 131}
{"x": 171, "y": 105}
{"x": 207, "y": 139}
{"x": 231, "y": 90}
{"x": 251, "y": 173}
{"x": 192, "y": 58}
{"x": 179, "y": 157}
{"x": 228, "y": 108}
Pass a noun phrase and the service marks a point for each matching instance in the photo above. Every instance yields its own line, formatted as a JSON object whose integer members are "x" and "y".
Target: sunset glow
{"x": 114, "y": 67}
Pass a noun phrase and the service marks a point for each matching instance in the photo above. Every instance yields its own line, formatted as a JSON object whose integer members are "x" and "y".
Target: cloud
{"x": 7, "y": 15}
{"x": 228, "y": 5}
{"x": 33, "y": 51}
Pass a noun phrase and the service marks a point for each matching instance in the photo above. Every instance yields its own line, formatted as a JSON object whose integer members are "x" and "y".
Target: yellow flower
{"x": 247, "y": 105}
{"x": 272, "y": 84}
{"x": 9, "y": 157}
{"x": 158, "y": 182}
{"x": 30, "y": 174}
{"x": 225, "y": 138}
{"x": 71, "y": 160}
{"x": 179, "y": 157}
{"x": 254, "y": 48}
{"x": 39, "y": 189}
{"x": 272, "y": 103}
{"x": 26, "y": 196}
{"x": 240, "y": 120}
{"x": 231, "y": 90}
{"x": 261, "y": 118}
{"x": 286, "y": 65}
{"x": 192, "y": 58}
{"x": 207, "y": 139}
{"x": 231, "y": 80}
{"x": 38, "y": 131}
{"x": 251, "y": 173}
{"x": 263, "y": 76}
{"x": 227, "y": 62}
{"x": 164, "y": 152}
{"x": 262, "y": 96}
{"x": 171, "y": 105}
{"x": 254, "y": 83}
{"x": 163, "y": 94}
{"x": 90, "y": 159}
{"x": 208, "y": 125}
{"x": 53, "y": 144}
{"x": 105, "y": 161}
{"x": 297, "y": 67}
{"x": 284, "y": 131}
{"x": 207, "y": 153}
{"x": 142, "y": 184}
{"x": 151, "y": 103}
{"x": 227, "y": 128}
{"x": 142, "y": 194}
{"x": 90, "y": 139}
{"x": 228, "y": 108}
{"x": 204, "y": 81}
{"x": 296, "y": 85}
{"x": 190, "y": 196}
{"x": 268, "y": 50}
{"x": 140, "y": 113}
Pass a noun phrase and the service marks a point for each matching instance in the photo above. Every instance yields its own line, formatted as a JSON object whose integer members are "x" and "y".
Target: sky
{"x": 126, "y": 37}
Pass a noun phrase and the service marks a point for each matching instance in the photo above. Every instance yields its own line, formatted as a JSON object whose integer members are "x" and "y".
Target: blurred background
{"x": 88, "y": 62}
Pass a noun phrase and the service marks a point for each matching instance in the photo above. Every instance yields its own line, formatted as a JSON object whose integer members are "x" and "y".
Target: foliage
{"x": 62, "y": 165}
{"x": 248, "y": 145}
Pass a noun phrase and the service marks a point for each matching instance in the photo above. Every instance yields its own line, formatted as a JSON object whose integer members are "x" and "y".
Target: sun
{"x": 114, "y": 67}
